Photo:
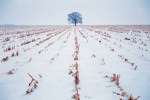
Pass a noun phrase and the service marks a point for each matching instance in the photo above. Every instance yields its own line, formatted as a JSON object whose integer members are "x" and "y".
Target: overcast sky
{"x": 94, "y": 12}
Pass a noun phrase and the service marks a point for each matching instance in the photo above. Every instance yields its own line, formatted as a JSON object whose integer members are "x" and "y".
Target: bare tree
{"x": 75, "y": 18}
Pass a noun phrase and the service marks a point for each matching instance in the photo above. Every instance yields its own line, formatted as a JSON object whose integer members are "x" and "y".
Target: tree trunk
{"x": 75, "y": 22}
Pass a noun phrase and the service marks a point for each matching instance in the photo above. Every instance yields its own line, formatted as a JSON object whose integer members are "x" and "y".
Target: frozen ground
{"x": 70, "y": 62}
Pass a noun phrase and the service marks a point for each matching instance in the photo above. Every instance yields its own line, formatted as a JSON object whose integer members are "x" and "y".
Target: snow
{"x": 102, "y": 52}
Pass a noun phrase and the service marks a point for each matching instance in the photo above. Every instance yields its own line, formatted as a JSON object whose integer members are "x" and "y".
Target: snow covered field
{"x": 72, "y": 63}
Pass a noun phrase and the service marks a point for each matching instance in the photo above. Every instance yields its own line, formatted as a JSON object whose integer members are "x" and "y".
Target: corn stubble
{"x": 33, "y": 84}
{"x": 76, "y": 73}
{"x": 115, "y": 78}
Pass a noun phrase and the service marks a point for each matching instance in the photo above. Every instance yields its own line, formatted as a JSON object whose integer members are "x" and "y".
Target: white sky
{"x": 94, "y": 12}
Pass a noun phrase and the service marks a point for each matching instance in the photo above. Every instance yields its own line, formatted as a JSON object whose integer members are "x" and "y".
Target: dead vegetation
{"x": 75, "y": 74}
{"x": 102, "y": 61}
{"x": 15, "y": 54}
{"x": 9, "y": 48}
{"x": 115, "y": 78}
{"x": 4, "y": 59}
{"x": 10, "y": 72}
{"x": 76, "y": 49}
{"x": 33, "y": 84}
{"x": 76, "y": 80}
{"x": 126, "y": 38}
{"x": 74, "y": 71}
{"x": 112, "y": 49}
{"x": 93, "y": 55}
{"x": 70, "y": 71}
{"x": 129, "y": 62}
{"x": 6, "y": 39}
{"x": 82, "y": 35}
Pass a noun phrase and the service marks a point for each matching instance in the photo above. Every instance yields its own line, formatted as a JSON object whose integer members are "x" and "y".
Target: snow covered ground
{"x": 67, "y": 62}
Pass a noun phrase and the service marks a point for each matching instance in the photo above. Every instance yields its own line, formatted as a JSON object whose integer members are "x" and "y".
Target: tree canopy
{"x": 74, "y": 18}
